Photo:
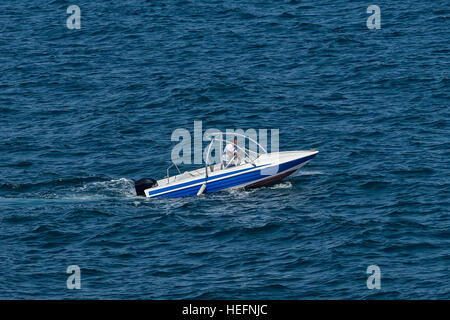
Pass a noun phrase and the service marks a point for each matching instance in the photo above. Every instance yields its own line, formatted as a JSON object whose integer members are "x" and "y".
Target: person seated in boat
{"x": 230, "y": 153}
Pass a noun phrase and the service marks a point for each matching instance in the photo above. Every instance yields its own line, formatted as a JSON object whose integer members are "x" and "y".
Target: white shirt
{"x": 228, "y": 152}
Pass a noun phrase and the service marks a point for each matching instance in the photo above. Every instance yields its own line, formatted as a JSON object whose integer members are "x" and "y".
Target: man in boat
{"x": 230, "y": 153}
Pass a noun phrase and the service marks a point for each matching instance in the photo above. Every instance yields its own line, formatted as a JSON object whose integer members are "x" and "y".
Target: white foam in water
{"x": 307, "y": 173}
{"x": 239, "y": 192}
{"x": 116, "y": 187}
{"x": 282, "y": 185}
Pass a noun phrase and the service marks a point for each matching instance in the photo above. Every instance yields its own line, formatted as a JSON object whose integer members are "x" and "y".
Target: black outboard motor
{"x": 143, "y": 184}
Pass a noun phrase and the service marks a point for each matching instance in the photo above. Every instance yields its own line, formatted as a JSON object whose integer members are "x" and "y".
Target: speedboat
{"x": 253, "y": 170}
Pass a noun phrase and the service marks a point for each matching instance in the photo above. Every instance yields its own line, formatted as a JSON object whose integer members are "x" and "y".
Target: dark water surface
{"x": 84, "y": 112}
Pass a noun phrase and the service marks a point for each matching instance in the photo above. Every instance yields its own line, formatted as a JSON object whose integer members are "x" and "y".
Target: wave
{"x": 307, "y": 173}
{"x": 121, "y": 187}
{"x": 281, "y": 185}
{"x": 83, "y": 189}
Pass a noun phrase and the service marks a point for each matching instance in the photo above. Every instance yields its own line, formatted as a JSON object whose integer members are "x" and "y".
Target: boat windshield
{"x": 246, "y": 155}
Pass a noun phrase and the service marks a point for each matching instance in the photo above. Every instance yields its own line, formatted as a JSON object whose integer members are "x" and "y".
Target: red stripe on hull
{"x": 271, "y": 179}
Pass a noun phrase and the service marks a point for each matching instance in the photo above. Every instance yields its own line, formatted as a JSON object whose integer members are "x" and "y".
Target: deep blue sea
{"x": 85, "y": 112}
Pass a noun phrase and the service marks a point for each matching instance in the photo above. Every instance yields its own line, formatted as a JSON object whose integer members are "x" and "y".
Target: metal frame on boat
{"x": 255, "y": 169}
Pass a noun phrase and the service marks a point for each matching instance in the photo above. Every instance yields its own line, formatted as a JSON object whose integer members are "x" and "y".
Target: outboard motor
{"x": 142, "y": 184}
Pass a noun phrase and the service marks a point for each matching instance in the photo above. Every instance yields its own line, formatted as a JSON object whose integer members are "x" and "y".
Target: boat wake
{"x": 83, "y": 189}
{"x": 281, "y": 185}
{"x": 97, "y": 188}
{"x": 307, "y": 173}
{"x": 121, "y": 187}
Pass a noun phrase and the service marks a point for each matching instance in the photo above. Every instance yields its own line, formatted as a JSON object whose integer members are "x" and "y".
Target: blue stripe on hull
{"x": 152, "y": 193}
{"x": 228, "y": 182}
{"x": 192, "y": 191}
